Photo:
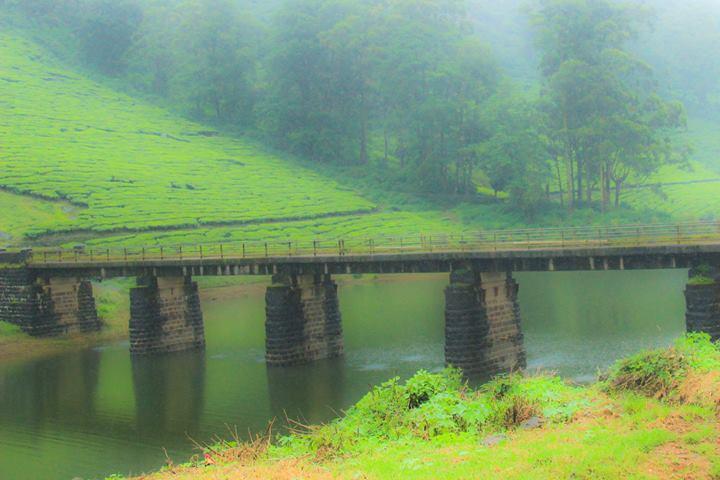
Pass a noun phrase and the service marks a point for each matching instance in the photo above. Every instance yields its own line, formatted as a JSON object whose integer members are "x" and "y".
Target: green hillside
{"x": 127, "y": 165}
{"x": 82, "y": 162}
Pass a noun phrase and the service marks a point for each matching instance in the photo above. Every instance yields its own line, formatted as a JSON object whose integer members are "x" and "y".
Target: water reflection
{"x": 305, "y": 393}
{"x": 169, "y": 393}
{"x": 51, "y": 389}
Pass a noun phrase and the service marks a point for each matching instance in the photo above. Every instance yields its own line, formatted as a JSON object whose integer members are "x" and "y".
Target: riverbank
{"x": 112, "y": 300}
{"x": 654, "y": 415}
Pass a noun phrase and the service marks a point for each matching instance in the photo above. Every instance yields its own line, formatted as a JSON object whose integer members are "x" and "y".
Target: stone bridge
{"x": 49, "y": 292}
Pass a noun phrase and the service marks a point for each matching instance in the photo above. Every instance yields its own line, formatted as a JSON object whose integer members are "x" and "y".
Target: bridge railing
{"x": 499, "y": 240}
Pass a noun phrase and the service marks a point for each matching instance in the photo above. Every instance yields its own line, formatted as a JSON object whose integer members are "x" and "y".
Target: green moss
{"x": 9, "y": 331}
{"x": 701, "y": 280}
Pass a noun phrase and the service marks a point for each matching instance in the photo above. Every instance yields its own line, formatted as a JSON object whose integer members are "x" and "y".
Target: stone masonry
{"x": 483, "y": 336}
{"x": 165, "y": 316}
{"x": 47, "y": 306}
{"x": 303, "y": 321}
{"x": 703, "y": 309}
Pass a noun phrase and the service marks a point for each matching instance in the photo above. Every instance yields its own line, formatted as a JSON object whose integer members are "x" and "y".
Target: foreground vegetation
{"x": 651, "y": 416}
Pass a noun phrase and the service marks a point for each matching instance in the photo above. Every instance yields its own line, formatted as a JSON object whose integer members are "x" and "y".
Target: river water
{"x": 91, "y": 413}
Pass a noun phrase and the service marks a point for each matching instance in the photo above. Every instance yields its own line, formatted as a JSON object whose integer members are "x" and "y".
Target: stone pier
{"x": 303, "y": 322}
{"x": 483, "y": 336}
{"x": 47, "y": 306}
{"x": 165, "y": 316}
{"x": 702, "y": 301}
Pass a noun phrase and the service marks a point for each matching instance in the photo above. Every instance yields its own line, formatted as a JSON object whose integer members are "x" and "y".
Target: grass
{"x": 654, "y": 415}
{"x": 9, "y": 331}
{"x": 23, "y": 214}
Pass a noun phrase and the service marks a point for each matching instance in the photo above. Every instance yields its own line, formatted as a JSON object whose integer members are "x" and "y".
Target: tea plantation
{"x": 127, "y": 165}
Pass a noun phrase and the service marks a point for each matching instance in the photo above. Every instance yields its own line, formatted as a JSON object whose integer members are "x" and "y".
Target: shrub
{"x": 659, "y": 373}
{"x": 431, "y": 405}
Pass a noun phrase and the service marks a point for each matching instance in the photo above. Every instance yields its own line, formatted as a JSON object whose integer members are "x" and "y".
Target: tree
{"x": 605, "y": 120}
{"x": 311, "y": 102}
{"x": 107, "y": 34}
{"x": 515, "y": 156}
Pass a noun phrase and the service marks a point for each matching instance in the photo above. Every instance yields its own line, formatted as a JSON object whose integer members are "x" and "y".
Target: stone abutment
{"x": 47, "y": 306}
{"x": 702, "y": 302}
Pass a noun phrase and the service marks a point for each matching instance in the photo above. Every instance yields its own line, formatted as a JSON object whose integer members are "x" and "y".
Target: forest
{"x": 569, "y": 100}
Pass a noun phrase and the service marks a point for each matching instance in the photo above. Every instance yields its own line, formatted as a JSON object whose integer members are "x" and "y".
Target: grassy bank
{"x": 651, "y": 416}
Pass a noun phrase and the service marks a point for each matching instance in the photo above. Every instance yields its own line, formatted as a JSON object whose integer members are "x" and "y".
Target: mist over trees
{"x": 529, "y": 97}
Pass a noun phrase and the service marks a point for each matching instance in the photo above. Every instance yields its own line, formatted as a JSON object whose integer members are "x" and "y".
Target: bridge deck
{"x": 586, "y": 248}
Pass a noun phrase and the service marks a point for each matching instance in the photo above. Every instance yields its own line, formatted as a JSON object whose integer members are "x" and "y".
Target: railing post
{"x": 243, "y": 249}
{"x": 678, "y": 234}
{"x": 59, "y": 255}
{"x": 289, "y": 249}
{"x": 125, "y": 253}
{"x": 222, "y": 253}
{"x": 45, "y": 257}
{"x": 315, "y": 248}
{"x": 562, "y": 238}
{"x": 91, "y": 255}
{"x": 162, "y": 253}
{"x": 143, "y": 253}
{"x": 201, "y": 252}
{"x": 107, "y": 254}
{"x": 180, "y": 251}
{"x": 266, "y": 250}
{"x": 528, "y": 240}
{"x": 637, "y": 238}
{"x": 76, "y": 256}
{"x": 495, "y": 240}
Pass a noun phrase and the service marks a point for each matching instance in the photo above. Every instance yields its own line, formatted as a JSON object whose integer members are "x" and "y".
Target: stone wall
{"x": 18, "y": 297}
{"x": 303, "y": 321}
{"x": 165, "y": 316}
{"x": 65, "y": 305}
{"x": 47, "y": 306}
{"x": 703, "y": 309}
{"x": 483, "y": 335}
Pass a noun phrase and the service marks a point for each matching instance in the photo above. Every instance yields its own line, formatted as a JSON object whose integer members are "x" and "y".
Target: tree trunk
{"x": 579, "y": 174}
{"x": 560, "y": 182}
{"x": 571, "y": 185}
{"x": 385, "y": 137}
{"x": 590, "y": 186}
{"x": 604, "y": 187}
{"x": 618, "y": 188}
{"x": 568, "y": 158}
{"x": 363, "y": 133}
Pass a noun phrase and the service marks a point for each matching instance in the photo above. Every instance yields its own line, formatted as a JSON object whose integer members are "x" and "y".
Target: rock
{"x": 493, "y": 440}
{"x": 531, "y": 423}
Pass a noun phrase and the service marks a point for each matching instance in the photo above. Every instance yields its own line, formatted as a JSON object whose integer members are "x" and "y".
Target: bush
{"x": 659, "y": 373}
{"x": 430, "y": 405}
